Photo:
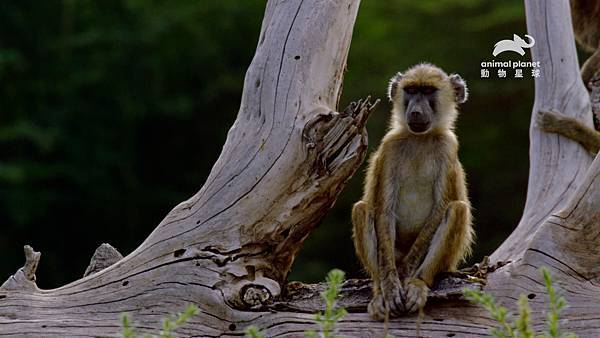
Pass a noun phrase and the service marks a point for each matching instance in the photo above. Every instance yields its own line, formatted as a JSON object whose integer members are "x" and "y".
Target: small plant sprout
{"x": 523, "y": 322}
{"x": 126, "y": 326}
{"x": 498, "y": 313}
{"x": 253, "y": 332}
{"x": 172, "y": 322}
{"x": 521, "y": 327}
{"x": 326, "y": 320}
{"x": 333, "y": 314}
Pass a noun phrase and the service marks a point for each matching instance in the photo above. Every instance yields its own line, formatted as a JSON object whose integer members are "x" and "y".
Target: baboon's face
{"x": 419, "y": 107}
{"x": 425, "y": 98}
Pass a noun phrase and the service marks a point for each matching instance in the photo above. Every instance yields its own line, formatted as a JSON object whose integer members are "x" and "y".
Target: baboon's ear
{"x": 459, "y": 85}
{"x": 393, "y": 86}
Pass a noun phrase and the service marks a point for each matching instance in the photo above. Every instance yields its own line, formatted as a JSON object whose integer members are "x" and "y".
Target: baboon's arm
{"x": 569, "y": 127}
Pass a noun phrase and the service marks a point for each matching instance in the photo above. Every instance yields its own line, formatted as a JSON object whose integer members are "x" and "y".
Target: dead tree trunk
{"x": 228, "y": 249}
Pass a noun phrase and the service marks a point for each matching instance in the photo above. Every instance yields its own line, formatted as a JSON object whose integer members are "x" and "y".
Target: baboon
{"x": 414, "y": 219}
{"x": 569, "y": 127}
{"x": 586, "y": 25}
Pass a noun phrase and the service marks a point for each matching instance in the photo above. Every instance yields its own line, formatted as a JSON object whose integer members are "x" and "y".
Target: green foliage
{"x": 253, "y": 332}
{"x": 332, "y": 314}
{"x": 101, "y": 102}
{"x": 326, "y": 320}
{"x": 169, "y": 325}
{"x": 521, "y": 327}
{"x": 497, "y": 312}
{"x": 557, "y": 303}
{"x": 127, "y": 330}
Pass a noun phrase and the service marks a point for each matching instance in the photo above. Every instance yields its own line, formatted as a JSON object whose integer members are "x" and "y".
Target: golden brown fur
{"x": 586, "y": 25}
{"x": 571, "y": 128}
{"x": 414, "y": 219}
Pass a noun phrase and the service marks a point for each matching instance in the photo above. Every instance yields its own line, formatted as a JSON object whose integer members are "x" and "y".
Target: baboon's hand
{"x": 416, "y": 294}
{"x": 389, "y": 300}
{"x": 548, "y": 121}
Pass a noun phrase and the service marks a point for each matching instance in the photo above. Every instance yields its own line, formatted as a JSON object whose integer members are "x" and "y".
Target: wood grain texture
{"x": 228, "y": 249}
{"x": 230, "y": 246}
{"x": 557, "y": 165}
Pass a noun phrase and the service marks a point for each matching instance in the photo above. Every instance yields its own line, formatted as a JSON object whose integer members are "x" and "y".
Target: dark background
{"x": 112, "y": 112}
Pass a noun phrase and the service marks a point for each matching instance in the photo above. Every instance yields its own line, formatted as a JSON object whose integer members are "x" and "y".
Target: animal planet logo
{"x": 515, "y": 68}
{"x": 515, "y": 45}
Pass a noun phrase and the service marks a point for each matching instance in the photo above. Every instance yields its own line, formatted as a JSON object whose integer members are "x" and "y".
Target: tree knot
{"x": 249, "y": 292}
{"x": 333, "y": 138}
{"x": 255, "y": 296}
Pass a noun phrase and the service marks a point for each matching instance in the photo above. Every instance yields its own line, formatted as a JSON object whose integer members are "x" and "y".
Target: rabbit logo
{"x": 515, "y": 45}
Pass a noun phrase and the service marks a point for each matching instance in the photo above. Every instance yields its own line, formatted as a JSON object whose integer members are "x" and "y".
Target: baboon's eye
{"x": 411, "y": 90}
{"x": 428, "y": 90}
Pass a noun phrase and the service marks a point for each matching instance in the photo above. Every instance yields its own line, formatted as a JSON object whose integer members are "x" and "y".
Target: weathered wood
{"x": 228, "y": 249}
{"x": 105, "y": 256}
{"x": 556, "y": 165}
{"x": 355, "y": 294}
{"x": 230, "y": 246}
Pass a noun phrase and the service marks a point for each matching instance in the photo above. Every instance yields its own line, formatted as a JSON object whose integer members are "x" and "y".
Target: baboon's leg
{"x": 366, "y": 245}
{"x": 365, "y": 240}
{"x": 448, "y": 247}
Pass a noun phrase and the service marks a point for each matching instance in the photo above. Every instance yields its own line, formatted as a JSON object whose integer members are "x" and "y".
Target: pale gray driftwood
{"x": 105, "y": 256}
{"x": 228, "y": 249}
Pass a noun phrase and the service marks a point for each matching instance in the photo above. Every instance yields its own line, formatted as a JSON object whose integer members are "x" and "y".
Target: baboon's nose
{"x": 416, "y": 115}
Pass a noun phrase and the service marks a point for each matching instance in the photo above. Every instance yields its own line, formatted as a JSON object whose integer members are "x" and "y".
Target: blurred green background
{"x": 112, "y": 112}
